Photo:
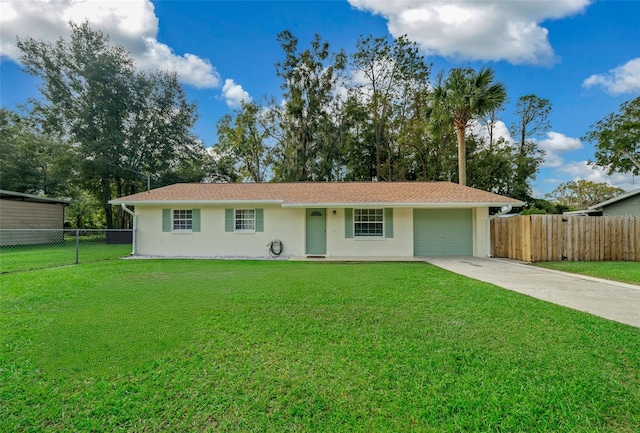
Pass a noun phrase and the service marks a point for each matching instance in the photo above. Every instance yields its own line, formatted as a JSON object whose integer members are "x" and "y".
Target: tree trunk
{"x": 462, "y": 155}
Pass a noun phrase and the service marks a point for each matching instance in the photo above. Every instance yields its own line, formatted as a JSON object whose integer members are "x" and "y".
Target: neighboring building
{"x": 625, "y": 204}
{"x": 20, "y": 211}
{"x": 348, "y": 219}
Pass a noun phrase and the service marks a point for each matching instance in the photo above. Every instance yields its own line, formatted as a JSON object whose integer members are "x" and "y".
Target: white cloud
{"x": 500, "y": 130}
{"x": 132, "y": 24}
{"x": 489, "y": 30}
{"x": 582, "y": 170}
{"x": 556, "y": 144}
{"x": 623, "y": 79}
{"x": 234, "y": 94}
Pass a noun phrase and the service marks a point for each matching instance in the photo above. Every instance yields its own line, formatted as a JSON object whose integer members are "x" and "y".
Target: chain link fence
{"x": 26, "y": 249}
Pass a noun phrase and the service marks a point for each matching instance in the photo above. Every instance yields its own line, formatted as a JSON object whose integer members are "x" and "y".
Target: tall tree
{"x": 390, "y": 76}
{"x": 310, "y": 79}
{"x": 533, "y": 121}
{"x": 490, "y": 166}
{"x": 32, "y": 160}
{"x": 462, "y": 96}
{"x": 617, "y": 139}
{"x": 123, "y": 122}
{"x": 580, "y": 194}
{"x": 245, "y": 136}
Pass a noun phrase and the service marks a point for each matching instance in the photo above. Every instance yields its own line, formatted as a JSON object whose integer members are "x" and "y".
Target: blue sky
{"x": 582, "y": 55}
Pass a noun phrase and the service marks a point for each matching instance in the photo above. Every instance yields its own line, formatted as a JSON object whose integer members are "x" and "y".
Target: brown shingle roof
{"x": 322, "y": 193}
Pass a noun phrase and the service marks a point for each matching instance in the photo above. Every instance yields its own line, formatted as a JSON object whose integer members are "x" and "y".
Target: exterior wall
{"x": 630, "y": 206}
{"x": 18, "y": 214}
{"x": 287, "y": 225}
{"x": 481, "y": 232}
{"x": 400, "y": 245}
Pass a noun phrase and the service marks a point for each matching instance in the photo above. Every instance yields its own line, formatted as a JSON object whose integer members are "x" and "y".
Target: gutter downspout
{"x": 503, "y": 210}
{"x": 135, "y": 224}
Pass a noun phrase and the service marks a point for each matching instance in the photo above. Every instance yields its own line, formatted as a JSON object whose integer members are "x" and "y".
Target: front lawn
{"x": 627, "y": 272}
{"x": 178, "y": 345}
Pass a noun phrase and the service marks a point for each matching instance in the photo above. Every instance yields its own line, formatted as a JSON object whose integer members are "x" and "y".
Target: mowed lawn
{"x": 177, "y": 345}
{"x": 28, "y": 257}
{"x": 627, "y": 272}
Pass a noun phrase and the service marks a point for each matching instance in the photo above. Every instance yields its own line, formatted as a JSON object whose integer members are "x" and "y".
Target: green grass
{"x": 164, "y": 345}
{"x": 29, "y": 257}
{"x": 627, "y": 272}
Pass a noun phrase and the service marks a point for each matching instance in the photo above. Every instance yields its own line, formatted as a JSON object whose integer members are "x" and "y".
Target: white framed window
{"x": 245, "y": 220}
{"x": 182, "y": 219}
{"x": 368, "y": 223}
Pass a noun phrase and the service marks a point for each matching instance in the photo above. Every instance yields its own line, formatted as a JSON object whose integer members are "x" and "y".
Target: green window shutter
{"x": 388, "y": 222}
{"x": 166, "y": 220}
{"x": 195, "y": 220}
{"x": 228, "y": 220}
{"x": 259, "y": 220}
{"x": 348, "y": 223}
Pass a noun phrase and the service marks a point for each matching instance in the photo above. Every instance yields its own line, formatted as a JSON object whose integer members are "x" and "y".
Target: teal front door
{"x": 316, "y": 239}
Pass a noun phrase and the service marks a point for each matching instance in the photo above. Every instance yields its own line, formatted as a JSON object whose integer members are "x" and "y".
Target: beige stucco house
{"x": 346, "y": 219}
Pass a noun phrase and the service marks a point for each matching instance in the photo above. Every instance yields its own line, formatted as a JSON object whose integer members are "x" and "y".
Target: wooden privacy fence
{"x": 543, "y": 238}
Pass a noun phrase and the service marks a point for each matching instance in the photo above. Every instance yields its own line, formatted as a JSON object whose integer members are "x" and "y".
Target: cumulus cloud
{"x": 132, "y": 24}
{"x": 476, "y": 30}
{"x": 556, "y": 144}
{"x": 234, "y": 94}
{"x": 500, "y": 130}
{"x": 582, "y": 170}
{"x": 623, "y": 79}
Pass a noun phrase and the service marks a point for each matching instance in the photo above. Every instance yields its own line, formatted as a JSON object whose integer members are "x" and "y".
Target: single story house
{"x": 624, "y": 204}
{"x": 26, "y": 212}
{"x": 316, "y": 219}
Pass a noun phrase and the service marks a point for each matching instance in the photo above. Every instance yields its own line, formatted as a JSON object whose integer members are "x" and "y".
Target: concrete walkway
{"x": 604, "y": 298}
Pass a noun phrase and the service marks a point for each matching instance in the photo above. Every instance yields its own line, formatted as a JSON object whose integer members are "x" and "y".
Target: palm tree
{"x": 466, "y": 94}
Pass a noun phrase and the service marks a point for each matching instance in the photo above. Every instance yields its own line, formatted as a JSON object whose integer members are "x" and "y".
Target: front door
{"x": 316, "y": 231}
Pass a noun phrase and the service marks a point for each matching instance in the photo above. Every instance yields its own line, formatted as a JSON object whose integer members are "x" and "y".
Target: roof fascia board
{"x": 209, "y": 202}
{"x": 31, "y": 197}
{"x": 410, "y": 204}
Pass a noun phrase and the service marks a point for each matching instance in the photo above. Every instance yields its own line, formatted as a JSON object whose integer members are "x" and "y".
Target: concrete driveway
{"x": 604, "y": 298}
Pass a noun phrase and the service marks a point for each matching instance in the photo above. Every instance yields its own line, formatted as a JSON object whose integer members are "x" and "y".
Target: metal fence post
{"x": 77, "y": 244}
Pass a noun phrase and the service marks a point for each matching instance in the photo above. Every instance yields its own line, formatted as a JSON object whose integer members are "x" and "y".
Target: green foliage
{"x": 84, "y": 211}
{"x": 490, "y": 168}
{"x": 33, "y": 161}
{"x": 173, "y": 345}
{"x": 533, "y": 121}
{"x": 581, "y": 194}
{"x": 617, "y": 139}
{"x": 541, "y": 206}
{"x": 109, "y": 126}
{"x": 392, "y": 90}
{"x": 123, "y": 123}
{"x": 307, "y": 133}
{"x": 244, "y": 137}
{"x": 464, "y": 95}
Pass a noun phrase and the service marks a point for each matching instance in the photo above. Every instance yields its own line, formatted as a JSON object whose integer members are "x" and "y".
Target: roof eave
{"x": 191, "y": 202}
{"x": 404, "y": 204}
{"x": 313, "y": 204}
{"x": 32, "y": 198}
